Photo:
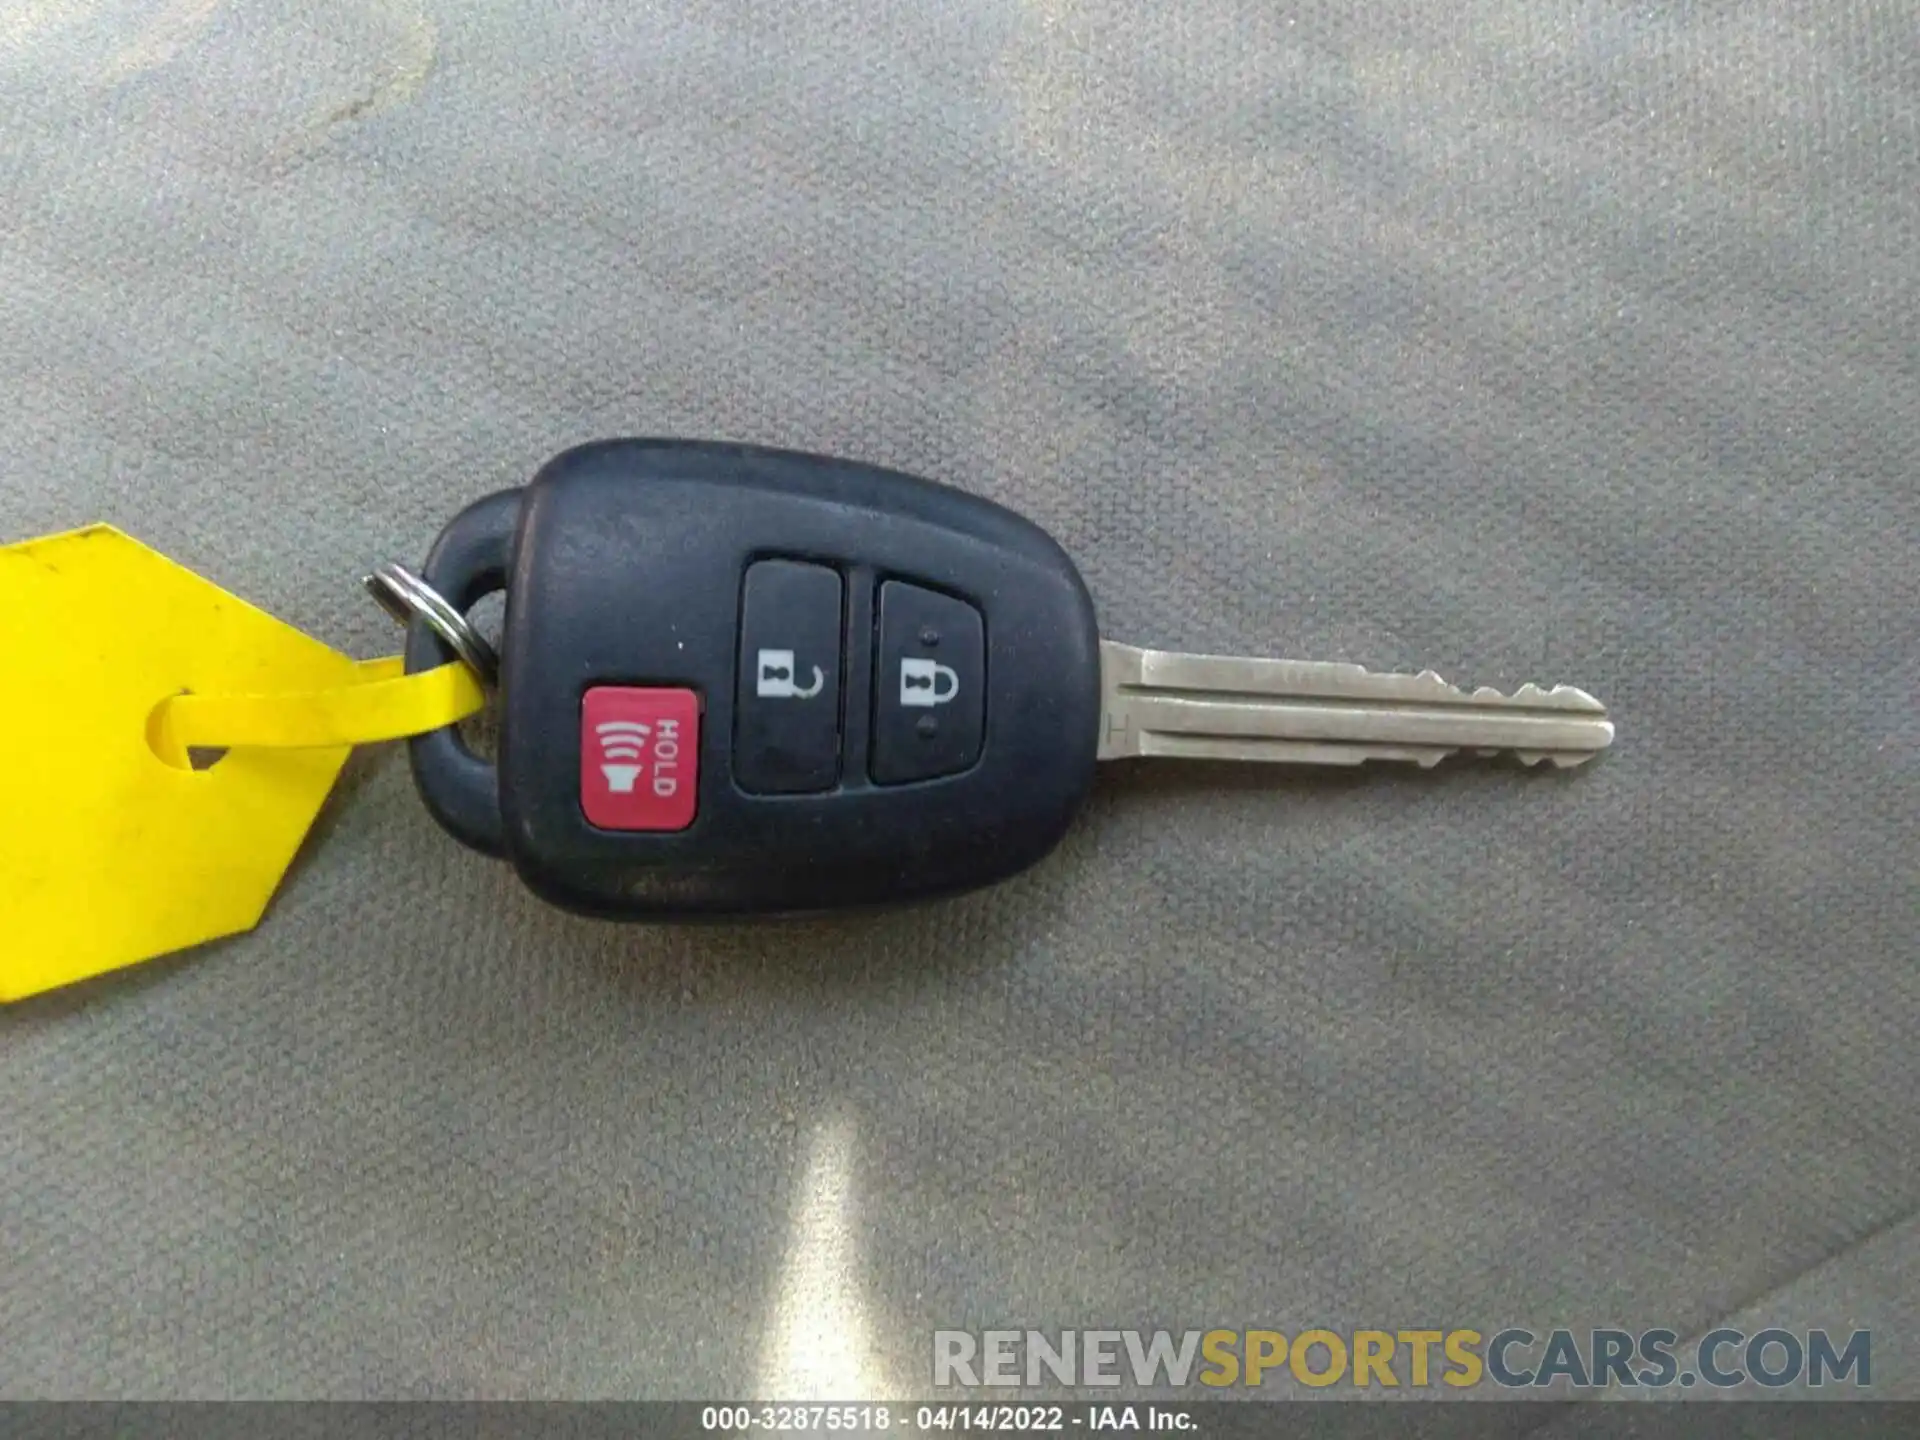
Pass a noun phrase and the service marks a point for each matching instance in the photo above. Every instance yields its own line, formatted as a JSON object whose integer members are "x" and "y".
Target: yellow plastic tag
{"x": 114, "y": 663}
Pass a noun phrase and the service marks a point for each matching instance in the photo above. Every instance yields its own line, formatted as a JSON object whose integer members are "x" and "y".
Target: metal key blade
{"x": 1303, "y": 712}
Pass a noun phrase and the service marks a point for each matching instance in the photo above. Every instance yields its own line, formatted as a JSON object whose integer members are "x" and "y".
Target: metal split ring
{"x": 406, "y": 597}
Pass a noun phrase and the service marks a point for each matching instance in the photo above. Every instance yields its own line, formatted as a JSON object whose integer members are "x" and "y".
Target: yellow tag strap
{"x": 382, "y": 703}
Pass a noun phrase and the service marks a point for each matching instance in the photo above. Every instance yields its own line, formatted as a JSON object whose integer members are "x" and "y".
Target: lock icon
{"x": 925, "y": 683}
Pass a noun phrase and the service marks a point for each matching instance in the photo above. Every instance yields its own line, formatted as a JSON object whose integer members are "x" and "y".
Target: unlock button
{"x": 787, "y": 701}
{"x": 929, "y": 693}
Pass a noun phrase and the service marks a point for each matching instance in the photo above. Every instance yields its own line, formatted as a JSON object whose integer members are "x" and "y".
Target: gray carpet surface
{"x": 1562, "y": 340}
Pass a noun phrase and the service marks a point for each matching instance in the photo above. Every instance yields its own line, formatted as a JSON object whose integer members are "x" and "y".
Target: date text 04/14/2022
{"x": 1012, "y": 1419}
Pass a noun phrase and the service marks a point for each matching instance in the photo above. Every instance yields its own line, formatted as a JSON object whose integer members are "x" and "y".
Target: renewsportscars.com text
{"x": 1458, "y": 1358}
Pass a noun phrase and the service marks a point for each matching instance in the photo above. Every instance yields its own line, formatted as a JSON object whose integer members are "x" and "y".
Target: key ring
{"x": 406, "y": 597}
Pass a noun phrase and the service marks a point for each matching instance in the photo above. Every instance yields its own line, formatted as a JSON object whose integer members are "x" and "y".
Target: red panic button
{"x": 639, "y": 758}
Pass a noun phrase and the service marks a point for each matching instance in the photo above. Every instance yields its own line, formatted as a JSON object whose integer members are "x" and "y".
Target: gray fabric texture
{"x": 1563, "y": 340}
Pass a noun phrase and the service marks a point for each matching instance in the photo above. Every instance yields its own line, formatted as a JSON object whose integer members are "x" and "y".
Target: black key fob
{"x": 741, "y": 681}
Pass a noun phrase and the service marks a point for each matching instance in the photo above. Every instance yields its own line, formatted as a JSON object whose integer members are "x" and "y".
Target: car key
{"x": 740, "y": 681}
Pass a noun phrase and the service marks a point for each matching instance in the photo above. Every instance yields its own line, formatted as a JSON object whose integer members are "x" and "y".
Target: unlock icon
{"x": 924, "y": 683}
{"x": 776, "y": 677}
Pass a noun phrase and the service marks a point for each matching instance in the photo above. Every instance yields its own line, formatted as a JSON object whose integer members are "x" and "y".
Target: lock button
{"x": 929, "y": 686}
